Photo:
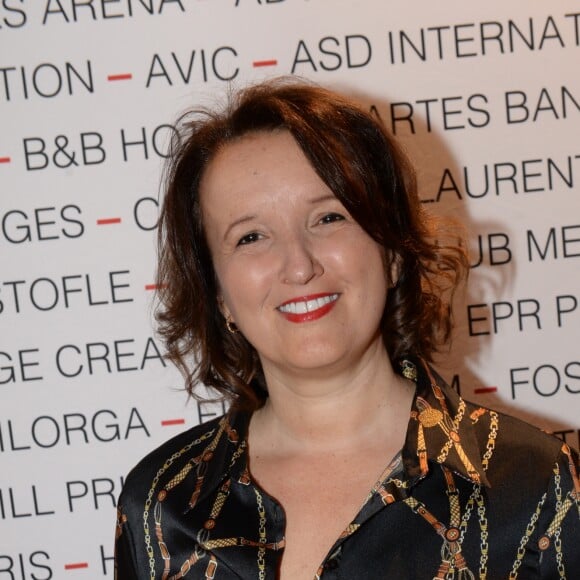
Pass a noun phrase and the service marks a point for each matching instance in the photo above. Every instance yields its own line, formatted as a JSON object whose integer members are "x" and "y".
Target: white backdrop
{"x": 486, "y": 100}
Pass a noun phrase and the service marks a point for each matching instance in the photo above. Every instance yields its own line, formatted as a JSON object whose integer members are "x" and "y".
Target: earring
{"x": 231, "y": 325}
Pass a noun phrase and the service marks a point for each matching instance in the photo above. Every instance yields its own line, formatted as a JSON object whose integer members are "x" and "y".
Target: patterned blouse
{"x": 474, "y": 494}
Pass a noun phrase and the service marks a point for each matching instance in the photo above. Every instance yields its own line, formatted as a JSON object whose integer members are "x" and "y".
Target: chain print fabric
{"x": 474, "y": 494}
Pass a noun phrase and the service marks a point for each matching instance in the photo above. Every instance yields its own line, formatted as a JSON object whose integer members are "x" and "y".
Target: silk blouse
{"x": 474, "y": 494}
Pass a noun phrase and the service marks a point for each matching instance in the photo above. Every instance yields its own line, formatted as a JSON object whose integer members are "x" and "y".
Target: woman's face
{"x": 301, "y": 279}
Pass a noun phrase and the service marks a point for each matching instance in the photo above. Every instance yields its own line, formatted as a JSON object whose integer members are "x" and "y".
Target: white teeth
{"x": 309, "y": 305}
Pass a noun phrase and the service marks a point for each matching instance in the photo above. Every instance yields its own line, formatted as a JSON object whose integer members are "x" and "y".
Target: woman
{"x": 305, "y": 284}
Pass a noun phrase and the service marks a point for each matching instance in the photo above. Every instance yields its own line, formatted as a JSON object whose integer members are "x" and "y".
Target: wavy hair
{"x": 354, "y": 155}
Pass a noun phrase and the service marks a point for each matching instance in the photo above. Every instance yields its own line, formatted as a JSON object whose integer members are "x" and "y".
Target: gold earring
{"x": 231, "y": 325}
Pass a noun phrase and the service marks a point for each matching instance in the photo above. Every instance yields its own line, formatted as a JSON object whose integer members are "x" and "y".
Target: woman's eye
{"x": 331, "y": 217}
{"x": 248, "y": 239}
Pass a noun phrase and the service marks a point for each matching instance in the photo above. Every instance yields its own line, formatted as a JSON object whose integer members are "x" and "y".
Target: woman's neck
{"x": 328, "y": 413}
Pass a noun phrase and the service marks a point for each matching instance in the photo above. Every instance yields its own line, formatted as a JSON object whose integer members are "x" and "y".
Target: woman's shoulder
{"x": 505, "y": 447}
{"x": 171, "y": 454}
{"x": 519, "y": 433}
{"x": 519, "y": 448}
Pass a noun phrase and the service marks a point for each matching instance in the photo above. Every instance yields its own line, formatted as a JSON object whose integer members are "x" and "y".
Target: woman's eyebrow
{"x": 325, "y": 197}
{"x": 239, "y": 221}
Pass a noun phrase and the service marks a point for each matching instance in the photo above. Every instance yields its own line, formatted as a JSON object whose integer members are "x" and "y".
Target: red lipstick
{"x": 308, "y": 308}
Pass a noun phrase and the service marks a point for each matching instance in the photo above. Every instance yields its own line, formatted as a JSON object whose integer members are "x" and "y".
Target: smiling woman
{"x": 301, "y": 279}
{"x": 355, "y": 165}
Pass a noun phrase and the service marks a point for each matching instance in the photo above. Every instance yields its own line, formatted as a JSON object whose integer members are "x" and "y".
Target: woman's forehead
{"x": 261, "y": 159}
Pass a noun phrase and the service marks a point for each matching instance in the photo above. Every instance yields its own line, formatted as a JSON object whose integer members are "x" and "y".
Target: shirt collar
{"x": 439, "y": 431}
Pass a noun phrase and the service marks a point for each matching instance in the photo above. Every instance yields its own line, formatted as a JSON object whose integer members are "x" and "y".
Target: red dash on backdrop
{"x": 485, "y": 390}
{"x": 76, "y": 566}
{"x": 120, "y": 77}
{"x": 170, "y": 422}
{"x": 155, "y": 286}
{"x": 260, "y": 63}
{"x": 108, "y": 221}
{"x": 5, "y": 160}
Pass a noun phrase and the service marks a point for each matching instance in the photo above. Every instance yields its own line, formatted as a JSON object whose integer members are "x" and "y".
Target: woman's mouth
{"x": 307, "y": 308}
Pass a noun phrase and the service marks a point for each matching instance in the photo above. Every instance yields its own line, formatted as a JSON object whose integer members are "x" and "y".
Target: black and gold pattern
{"x": 473, "y": 494}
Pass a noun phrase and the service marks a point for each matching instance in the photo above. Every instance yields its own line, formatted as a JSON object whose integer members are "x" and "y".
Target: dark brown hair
{"x": 355, "y": 156}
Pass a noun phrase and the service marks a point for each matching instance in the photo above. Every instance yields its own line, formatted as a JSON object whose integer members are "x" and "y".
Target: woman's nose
{"x": 300, "y": 264}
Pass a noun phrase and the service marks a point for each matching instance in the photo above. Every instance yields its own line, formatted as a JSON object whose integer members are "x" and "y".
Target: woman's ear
{"x": 221, "y": 305}
{"x": 393, "y": 267}
{"x": 225, "y": 311}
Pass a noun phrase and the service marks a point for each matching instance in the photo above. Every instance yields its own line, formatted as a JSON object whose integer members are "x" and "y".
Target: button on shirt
{"x": 473, "y": 494}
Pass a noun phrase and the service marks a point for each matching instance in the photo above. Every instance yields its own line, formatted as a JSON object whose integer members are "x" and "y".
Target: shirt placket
{"x": 387, "y": 493}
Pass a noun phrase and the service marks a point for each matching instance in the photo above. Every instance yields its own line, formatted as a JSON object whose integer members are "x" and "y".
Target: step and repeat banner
{"x": 485, "y": 98}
